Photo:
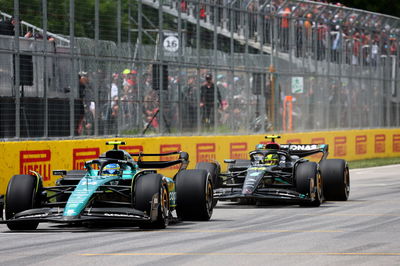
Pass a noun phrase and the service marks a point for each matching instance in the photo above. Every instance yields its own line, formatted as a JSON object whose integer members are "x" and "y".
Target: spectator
{"x": 150, "y": 110}
{"x": 189, "y": 104}
{"x": 7, "y": 26}
{"x": 38, "y": 36}
{"x": 111, "y": 107}
{"x": 86, "y": 94}
{"x": 183, "y": 6}
{"x": 207, "y": 100}
{"x": 285, "y": 28}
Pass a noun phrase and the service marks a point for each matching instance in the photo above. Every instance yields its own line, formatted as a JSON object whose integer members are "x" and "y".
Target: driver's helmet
{"x": 271, "y": 159}
{"x": 111, "y": 169}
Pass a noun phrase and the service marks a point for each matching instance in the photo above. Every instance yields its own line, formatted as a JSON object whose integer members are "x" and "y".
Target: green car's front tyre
{"x": 146, "y": 187}
{"x": 22, "y": 194}
{"x": 194, "y": 195}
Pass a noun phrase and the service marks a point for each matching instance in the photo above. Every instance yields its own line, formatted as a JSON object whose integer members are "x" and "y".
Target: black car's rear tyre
{"x": 309, "y": 182}
{"x": 146, "y": 187}
{"x": 335, "y": 174}
{"x": 23, "y": 193}
{"x": 194, "y": 195}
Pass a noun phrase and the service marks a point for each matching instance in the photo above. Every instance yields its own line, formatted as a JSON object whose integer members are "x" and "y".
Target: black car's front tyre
{"x": 23, "y": 193}
{"x": 146, "y": 187}
{"x": 194, "y": 195}
{"x": 335, "y": 174}
{"x": 309, "y": 182}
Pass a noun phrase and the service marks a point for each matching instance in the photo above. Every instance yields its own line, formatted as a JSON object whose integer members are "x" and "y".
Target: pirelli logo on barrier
{"x": 396, "y": 143}
{"x": 340, "y": 146}
{"x": 81, "y": 155}
{"x": 380, "y": 143}
{"x": 238, "y": 150}
{"x": 205, "y": 152}
{"x": 294, "y": 141}
{"x": 361, "y": 144}
{"x": 164, "y": 148}
{"x": 36, "y": 160}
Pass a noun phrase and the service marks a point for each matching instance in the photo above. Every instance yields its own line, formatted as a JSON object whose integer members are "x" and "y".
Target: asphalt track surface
{"x": 365, "y": 230}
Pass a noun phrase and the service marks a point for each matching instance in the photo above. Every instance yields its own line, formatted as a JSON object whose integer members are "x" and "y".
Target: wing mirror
{"x": 184, "y": 155}
{"x": 60, "y": 172}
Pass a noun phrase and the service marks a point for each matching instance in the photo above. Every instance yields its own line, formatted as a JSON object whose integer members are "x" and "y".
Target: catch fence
{"x": 136, "y": 68}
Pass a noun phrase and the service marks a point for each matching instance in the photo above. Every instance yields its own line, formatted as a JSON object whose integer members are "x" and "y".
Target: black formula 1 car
{"x": 113, "y": 188}
{"x": 281, "y": 173}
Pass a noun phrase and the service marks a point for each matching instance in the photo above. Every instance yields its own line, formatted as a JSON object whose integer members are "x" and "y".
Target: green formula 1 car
{"x": 113, "y": 188}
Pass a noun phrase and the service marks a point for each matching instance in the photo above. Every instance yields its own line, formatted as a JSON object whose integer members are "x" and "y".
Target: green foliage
{"x": 373, "y": 162}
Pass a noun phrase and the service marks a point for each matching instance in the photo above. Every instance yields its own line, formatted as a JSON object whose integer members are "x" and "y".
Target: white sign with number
{"x": 297, "y": 85}
{"x": 171, "y": 43}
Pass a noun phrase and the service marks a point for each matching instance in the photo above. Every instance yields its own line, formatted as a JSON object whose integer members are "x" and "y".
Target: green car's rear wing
{"x": 183, "y": 160}
{"x": 303, "y": 150}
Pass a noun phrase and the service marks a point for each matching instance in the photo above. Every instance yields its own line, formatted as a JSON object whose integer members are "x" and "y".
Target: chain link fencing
{"x": 138, "y": 68}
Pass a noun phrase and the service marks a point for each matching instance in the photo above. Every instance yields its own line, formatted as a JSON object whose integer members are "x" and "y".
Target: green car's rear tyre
{"x": 194, "y": 195}
{"x": 22, "y": 194}
{"x": 214, "y": 169}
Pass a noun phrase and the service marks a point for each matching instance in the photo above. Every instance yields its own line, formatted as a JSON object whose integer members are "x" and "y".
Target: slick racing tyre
{"x": 309, "y": 182}
{"x": 214, "y": 169}
{"x": 146, "y": 187}
{"x": 335, "y": 174}
{"x": 194, "y": 195}
{"x": 23, "y": 193}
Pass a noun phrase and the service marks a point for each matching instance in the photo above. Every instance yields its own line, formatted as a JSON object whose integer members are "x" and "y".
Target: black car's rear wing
{"x": 183, "y": 160}
{"x": 303, "y": 150}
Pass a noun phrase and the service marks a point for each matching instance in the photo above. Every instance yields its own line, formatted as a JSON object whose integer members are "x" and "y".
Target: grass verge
{"x": 373, "y": 162}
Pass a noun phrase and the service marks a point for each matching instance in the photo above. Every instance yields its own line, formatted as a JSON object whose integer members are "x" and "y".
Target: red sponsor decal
{"x": 205, "y": 152}
{"x": 36, "y": 160}
{"x": 361, "y": 144}
{"x": 380, "y": 143}
{"x": 238, "y": 150}
{"x": 81, "y": 155}
{"x": 396, "y": 143}
{"x": 170, "y": 148}
{"x": 340, "y": 146}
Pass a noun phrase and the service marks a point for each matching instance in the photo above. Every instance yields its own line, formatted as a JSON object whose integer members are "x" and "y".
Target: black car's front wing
{"x": 263, "y": 194}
